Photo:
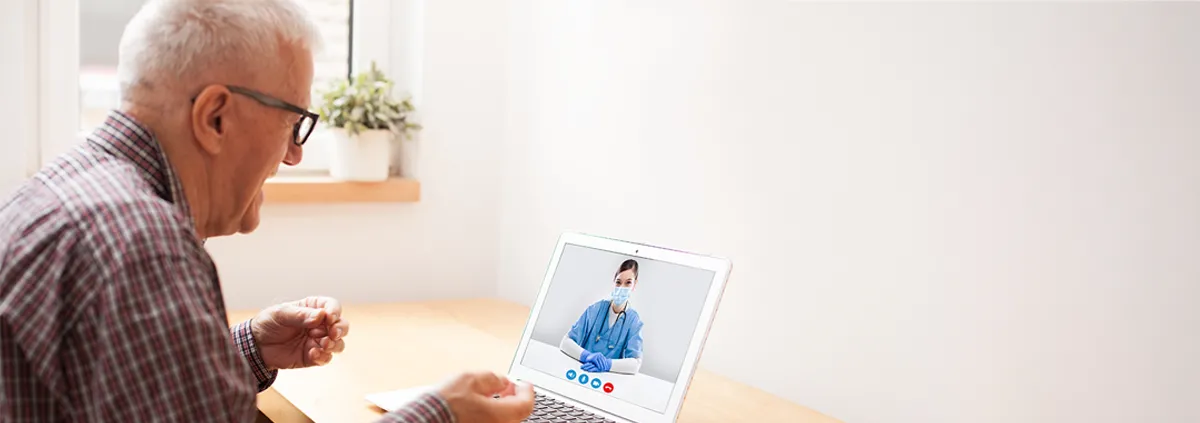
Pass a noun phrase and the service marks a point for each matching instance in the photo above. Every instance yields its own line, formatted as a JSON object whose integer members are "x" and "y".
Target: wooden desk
{"x": 402, "y": 345}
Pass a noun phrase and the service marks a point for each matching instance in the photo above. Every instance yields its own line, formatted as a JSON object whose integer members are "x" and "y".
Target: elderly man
{"x": 110, "y": 307}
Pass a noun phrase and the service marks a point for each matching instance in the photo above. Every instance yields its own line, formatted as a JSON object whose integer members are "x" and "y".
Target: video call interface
{"x": 618, "y": 324}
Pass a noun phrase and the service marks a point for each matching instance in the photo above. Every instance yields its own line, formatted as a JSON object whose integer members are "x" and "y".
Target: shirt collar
{"x": 130, "y": 140}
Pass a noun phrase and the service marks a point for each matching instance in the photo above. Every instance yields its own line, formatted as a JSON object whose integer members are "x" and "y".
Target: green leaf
{"x": 364, "y": 102}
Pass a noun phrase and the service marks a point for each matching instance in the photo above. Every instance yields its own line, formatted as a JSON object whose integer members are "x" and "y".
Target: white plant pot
{"x": 362, "y": 157}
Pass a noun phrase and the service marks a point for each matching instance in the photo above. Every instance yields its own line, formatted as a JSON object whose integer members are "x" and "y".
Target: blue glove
{"x": 585, "y": 358}
{"x": 597, "y": 363}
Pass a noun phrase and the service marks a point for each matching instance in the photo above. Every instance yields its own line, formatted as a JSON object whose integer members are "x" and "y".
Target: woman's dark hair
{"x": 629, "y": 264}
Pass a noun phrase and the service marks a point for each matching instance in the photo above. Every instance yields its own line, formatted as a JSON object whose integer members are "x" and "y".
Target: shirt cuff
{"x": 427, "y": 408}
{"x": 244, "y": 340}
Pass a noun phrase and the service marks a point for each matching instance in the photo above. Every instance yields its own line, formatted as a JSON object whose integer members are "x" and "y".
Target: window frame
{"x": 57, "y": 30}
{"x": 58, "y": 84}
{"x": 26, "y": 84}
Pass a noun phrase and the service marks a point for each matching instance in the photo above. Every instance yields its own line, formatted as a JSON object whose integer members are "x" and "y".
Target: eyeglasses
{"x": 302, "y": 129}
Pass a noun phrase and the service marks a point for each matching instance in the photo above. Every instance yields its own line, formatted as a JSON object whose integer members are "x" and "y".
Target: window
{"x": 100, "y": 27}
{"x": 101, "y": 23}
{"x": 78, "y": 56}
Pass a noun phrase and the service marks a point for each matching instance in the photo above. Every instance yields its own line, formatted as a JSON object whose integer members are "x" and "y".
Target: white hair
{"x": 182, "y": 40}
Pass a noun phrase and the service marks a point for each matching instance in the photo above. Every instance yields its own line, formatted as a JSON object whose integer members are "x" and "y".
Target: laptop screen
{"x": 618, "y": 324}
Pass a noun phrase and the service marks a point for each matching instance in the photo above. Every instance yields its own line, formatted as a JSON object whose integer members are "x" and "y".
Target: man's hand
{"x": 301, "y": 333}
{"x": 472, "y": 398}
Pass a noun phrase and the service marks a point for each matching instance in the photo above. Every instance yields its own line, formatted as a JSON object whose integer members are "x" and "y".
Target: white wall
{"x": 945, "y": 212}
{"x": 442, "y": 246}
{"x": 974, "y": 213}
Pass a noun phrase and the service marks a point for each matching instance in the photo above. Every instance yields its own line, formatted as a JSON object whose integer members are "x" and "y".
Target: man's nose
{"x": 294, "y": 154}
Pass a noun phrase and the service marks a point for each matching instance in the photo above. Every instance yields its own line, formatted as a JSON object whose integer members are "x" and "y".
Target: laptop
{"x": 651, "y": 339}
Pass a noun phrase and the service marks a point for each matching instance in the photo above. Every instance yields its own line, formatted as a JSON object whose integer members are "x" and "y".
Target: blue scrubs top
{"x": 622, "y": 340}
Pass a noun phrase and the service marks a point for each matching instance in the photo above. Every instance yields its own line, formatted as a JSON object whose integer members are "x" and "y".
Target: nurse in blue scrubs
{"x": 608, "y": 335}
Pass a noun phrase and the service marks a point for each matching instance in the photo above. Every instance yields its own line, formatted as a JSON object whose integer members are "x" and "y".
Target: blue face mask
{"x": 621, "y": 294}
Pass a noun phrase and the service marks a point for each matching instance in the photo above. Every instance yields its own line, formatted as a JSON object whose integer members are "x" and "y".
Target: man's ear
{"x": 208, "y": 110}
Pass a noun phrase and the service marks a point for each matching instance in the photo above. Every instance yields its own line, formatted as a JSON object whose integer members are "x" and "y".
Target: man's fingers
{"x": 291, "y": 315}
{"x": 316, "y": 317}
{"x": 330, "y": 345}
{"x": 341, "y": 329}
{"x": 330, "y": 331}
{"x": 509, "y": 387}
{"x": 325, "y": 340}
{"x": 517, "y": 406}
{"x": 319, "y": 357}
{"x": 509, "y": 391}
{"x": 329, "y": 304}
{"x": 488, "y": 383}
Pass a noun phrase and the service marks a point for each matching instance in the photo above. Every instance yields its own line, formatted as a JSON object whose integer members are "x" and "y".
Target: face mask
{"x": 620, "y": 295}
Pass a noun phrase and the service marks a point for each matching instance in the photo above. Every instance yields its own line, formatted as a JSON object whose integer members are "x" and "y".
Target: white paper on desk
{"x": 392, "y": 400}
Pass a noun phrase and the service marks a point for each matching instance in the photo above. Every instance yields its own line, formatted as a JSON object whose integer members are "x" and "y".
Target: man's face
{"x": 254, "y": 139}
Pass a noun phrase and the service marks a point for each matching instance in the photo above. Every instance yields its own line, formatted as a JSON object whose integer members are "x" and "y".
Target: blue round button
{"x": 583, "y": 379}
{"x": 571, "y": 374}
{"x": 596, "y": 383}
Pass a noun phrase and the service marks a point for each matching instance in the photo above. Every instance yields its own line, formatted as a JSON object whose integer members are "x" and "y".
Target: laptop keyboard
{"x": 547, "y": 410}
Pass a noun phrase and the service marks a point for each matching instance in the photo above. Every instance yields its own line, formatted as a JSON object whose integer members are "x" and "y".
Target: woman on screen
{"x": 608, "y": 335}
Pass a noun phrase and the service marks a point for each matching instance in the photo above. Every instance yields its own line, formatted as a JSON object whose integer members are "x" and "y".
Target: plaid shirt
{"x": 110, "y": 307}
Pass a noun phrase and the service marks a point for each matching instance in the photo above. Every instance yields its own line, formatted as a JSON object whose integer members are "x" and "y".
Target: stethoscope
{"x": 603, "y": 319}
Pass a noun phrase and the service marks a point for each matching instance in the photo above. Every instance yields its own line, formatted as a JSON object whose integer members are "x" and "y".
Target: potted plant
{"x": 364, "y": 117}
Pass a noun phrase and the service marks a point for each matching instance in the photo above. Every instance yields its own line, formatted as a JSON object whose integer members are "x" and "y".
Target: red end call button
{"x": 608, "y": 388}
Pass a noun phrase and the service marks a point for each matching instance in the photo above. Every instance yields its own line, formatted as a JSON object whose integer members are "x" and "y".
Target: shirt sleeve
{"x": 428, "y": 408}
{"x": 570, "y": 348}
{"x": 158, "y": 347}
{"x": 244, "y": 340}
{"x": 629, "y": 366}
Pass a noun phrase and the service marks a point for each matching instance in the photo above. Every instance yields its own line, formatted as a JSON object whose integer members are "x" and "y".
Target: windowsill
{"x": 286, "y": 189}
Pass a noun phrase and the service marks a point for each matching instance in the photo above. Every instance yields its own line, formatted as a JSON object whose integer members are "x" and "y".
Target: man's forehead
{"x": 296, "y": 75}
{"x": 287, "y": 74}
